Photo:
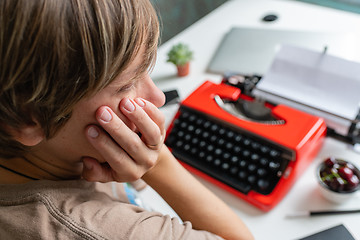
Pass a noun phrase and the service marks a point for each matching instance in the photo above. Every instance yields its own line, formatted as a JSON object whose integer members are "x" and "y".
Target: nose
{"x": 152, "y": 93}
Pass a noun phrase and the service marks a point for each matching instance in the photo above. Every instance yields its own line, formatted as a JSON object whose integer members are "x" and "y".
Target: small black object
{"x": 337, "y": 232}
{"x": 270, "y": 18}
{"x": 246, "y": 83}
{"x": 171, "y": 97}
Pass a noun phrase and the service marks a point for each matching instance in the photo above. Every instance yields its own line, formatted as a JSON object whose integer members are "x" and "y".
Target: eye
{"x": 126, "y": 87}
{"x": 132, "y": 83}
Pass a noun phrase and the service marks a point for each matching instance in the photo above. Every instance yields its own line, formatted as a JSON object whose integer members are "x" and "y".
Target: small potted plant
{"x": 181, "y": 55}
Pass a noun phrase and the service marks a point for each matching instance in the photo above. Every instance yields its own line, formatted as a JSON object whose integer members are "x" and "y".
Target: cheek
{"x": 86, "y": 111}
{"x": 71, "y": 143}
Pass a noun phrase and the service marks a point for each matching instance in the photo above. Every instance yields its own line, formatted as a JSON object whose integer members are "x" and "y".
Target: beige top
{"x": 82, "y": 210}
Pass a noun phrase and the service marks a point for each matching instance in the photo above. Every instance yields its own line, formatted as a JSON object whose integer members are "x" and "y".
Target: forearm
{"x": 192, "y": 201}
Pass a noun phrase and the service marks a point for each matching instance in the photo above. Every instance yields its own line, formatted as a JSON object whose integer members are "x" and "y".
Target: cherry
{"x": 352, "y": 183}
{"x": 346, "y": 173}
{"x": 330, "y": 161}
{"x": 337, "y": 184}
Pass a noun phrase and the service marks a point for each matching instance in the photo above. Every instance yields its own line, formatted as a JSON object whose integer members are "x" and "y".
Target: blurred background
{"x": 176, "y": 15}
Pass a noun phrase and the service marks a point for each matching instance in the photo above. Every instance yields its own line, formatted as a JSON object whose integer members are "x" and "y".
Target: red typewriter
{"x": 254, "y": 150}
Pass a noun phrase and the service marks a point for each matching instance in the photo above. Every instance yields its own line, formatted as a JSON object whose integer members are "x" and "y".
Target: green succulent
{"x": 180, "y": 54}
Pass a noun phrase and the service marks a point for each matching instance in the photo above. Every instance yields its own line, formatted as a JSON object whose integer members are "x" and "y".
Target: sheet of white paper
{"x": 319, "y": 80}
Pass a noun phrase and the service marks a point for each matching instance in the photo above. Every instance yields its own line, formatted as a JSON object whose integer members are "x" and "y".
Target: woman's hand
{"x": 126, "y": 156}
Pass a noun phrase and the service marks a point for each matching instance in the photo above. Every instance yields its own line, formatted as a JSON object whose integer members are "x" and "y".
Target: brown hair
{"x": 53, "y": 53}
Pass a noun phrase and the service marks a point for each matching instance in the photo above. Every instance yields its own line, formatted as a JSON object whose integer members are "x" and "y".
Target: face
{"x": 69, "y": 145}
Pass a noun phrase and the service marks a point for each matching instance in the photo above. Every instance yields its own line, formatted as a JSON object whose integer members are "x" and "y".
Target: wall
{"x": 176, "y": 15}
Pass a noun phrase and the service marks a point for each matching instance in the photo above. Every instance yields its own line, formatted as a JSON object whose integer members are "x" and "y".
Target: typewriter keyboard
{"x": 227, "y": 153}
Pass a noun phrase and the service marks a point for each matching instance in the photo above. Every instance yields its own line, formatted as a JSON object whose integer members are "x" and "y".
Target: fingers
{"x": 153, "y": 112}
{"x": 122, "y": 137}
{"x": 127, "y": 155}
{"x": 150, "y": 122}
{"x": 119, "y": 146}
{"x": 115, "y": 164}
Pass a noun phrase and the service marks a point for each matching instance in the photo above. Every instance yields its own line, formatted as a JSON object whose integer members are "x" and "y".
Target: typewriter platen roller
{"x": 256, "y": 155}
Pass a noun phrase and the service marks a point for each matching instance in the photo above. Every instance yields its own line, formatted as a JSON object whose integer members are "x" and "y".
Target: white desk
{"x": 204, "y": 37}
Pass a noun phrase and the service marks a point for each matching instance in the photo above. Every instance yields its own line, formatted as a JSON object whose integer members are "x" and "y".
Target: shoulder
{"x": 96, "y": 211}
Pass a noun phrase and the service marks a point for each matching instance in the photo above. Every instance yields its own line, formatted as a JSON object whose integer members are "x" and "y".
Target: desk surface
{"x": 204, "y": 37}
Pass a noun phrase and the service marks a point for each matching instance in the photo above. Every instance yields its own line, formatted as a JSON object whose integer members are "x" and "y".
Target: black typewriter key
{"x": 205, "y": 134}
{"x": 274, "y": 153}
{"x": 207, "y": 124}
{"x": 237, "y": 149}
{"x": 222, "y": 131}
{"x": 230, "y": 134}
{"x": 234, "y": 170}
{"x": 193, "y": 150}
{"x": 180, "y": 134}
{"x": 221, "y": 142}
{"x": 185, "y": 115}
{"x": 234, "y": 159}
{"x": 265, "y": 149}
{"x": 192, "y": 118}
{"x": 201, "y": 154}
{"x": 225, "y": 166}
{"x": 261, "y": 172}
{"x": 217, "y": 162}
{"x": 238, "y": 138}
{"x": 264, "y": 161}
{"x": 218, "y": 151}
{"x": 214, "y": 127}
{"x": 183, "y": 125}
{"x": 251, "y": 179}
{"x": 179, "y": 144}
{"x": 210, "y": 148}
{"x": 242, "y": 174}
{"x": 209, "y": 158}
{"x": 263, "y": 184}
{"x": 229, "y": 145}
{"x": 254, "y": 157}
{"x": 195, "y": 141}
{"x": 246, "y": 153}
{"x": 187, "y": 147}
{"x": 191, "y": 128}
{"x": 274, "y": 165}
{"x": 247, "y": 142}
{"x": 213, "y": 138}
{"x": 243, "y": 163}
{"x": 252, "y": 168}
{"x": 256, "y": 146}
{"x": 199, "y": 121}
{"x": 202, "y": 144}
{"x": 198, "y": 132}
{"x": 226, "y": 156}
{"x": 176, "y": 122}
